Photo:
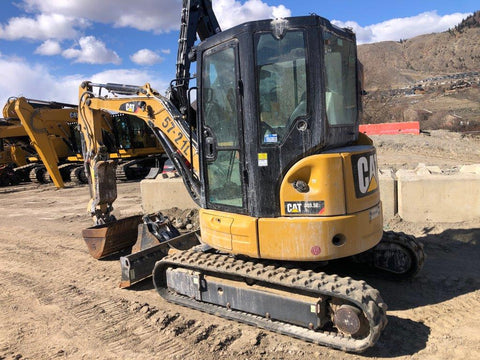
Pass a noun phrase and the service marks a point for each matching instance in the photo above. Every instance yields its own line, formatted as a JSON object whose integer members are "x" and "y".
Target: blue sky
{"x": 48, "y": 47}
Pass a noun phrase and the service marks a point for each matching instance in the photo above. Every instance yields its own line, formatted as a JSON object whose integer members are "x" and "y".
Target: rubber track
{"x": 25, "y": 171}
{"x": 33, "y": 174}
{"x": 357, "y": 292}
{"x": 77, "y": 175}
{"x": 408, "y": 242}
{"x": 66, "y": 169}
{"x": 121, "y": 173}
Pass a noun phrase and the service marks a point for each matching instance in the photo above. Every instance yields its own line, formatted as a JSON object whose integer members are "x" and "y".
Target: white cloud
{"x": 42, "y": 27}
{"x": 20, "y": 78}
{"x": 403, "y": 28}
{"x": 231, "y": 12}
{"x": 166, "y": 51}
{"x": 149, "y": 15}
{"x": 91, "y": 51}
{"x": 158, "y": 16}
{"x": 146, "y": 57}
{"x": 49, "y": 48}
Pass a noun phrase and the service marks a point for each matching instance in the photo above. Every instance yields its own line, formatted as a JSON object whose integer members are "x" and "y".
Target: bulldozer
{"x": 285, "y": 182}
{"x": 55, "y": 150}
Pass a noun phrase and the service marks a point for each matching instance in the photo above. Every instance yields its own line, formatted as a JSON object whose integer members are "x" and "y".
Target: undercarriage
{"x": 321, "y": 308}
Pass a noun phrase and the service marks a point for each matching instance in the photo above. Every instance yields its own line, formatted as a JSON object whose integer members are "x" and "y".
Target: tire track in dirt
{"x": 112, "y": 321}
{"x": 128, "y": 327}
{"x": 460, "y": 310}
{"x": 123, "y": 328}
{"x": 46, "y": 263}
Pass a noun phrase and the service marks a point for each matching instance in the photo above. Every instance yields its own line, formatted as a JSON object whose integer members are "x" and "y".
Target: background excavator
{"x": 49, "y": 131}
{"x": 285, "y": 182}
{"x": 15, "y": 149}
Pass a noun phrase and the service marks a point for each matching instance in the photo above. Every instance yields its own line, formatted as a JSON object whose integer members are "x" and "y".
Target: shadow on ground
{"x": 401, "y": 337}
{"x": 451, "y": 269}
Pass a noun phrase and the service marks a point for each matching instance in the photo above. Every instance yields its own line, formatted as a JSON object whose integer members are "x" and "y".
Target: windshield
{"x": 281, "y": 82}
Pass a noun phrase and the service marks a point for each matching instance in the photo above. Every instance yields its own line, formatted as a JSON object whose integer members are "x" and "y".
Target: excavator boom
{"x": 168, "y": 125}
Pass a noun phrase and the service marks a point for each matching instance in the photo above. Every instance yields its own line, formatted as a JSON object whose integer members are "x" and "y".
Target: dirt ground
{"x": 58, "y": 302}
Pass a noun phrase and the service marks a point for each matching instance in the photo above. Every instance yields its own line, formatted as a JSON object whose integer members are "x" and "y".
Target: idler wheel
{"x": 347, "y": 319}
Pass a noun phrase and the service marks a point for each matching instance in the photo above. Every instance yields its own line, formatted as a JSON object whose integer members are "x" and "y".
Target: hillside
{"x": 392, "y": 64}
{"x": 433, "y": 78}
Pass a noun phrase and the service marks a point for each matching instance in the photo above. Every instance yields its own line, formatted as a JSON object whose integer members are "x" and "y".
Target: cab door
{"x": 222, "y": 130}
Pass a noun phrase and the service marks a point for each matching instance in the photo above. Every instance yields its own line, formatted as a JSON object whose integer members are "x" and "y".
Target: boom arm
{"x": 46, "y": 124}
{"x": 166, "y": 116}
{"x": 168, "y": 125}
{"x": 197, "y": 18}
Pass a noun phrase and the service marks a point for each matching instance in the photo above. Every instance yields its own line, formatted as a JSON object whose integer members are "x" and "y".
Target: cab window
{"x": 281, "y": 83}
{"x": 340, "y": 71}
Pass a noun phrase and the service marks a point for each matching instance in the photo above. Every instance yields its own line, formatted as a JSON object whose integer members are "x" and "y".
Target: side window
{"x": 123, "y": 132}
{"x": 142, "y": 136}
{"x": 221, "y": 121}
{"x": 281, "y": 83}
{"x": 341, "y": 86}
{"x": 219, "y": 96}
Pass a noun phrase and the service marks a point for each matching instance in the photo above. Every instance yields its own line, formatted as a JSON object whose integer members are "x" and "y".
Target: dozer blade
{"x": 107, "y": 239}
{"x": 147, "y": 251}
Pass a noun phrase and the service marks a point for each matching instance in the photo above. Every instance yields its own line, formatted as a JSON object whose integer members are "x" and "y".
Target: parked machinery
{"x": 14, "y": 152}
{"x": 51, "y": 129}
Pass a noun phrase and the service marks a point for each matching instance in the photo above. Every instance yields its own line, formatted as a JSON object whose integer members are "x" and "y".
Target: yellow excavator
{"x": 51, "y": 128}
{"x": 285, "y": 182}
{"x": 14, "y": 152}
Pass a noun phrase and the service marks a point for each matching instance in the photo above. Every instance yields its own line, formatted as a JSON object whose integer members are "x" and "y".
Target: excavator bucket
{"x": 107, "y": 239}
{"x": 155, "y": 240}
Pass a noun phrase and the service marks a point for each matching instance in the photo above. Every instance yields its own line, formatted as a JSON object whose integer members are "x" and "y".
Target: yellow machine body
{"x": 12, "y": 153}
{"x": 47, "y": 130}
{"x": 330, "y": 221}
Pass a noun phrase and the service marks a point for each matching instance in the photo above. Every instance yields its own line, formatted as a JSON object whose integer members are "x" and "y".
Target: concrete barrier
{"x": 388, "y": 192}
{"x": 427, "y": 194}
{"x": 420, "y": 195}
{"x": 165, "y": 193}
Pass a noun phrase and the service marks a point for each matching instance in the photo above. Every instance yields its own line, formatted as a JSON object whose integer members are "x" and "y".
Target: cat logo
{"x": 293, "y": 207}
{"x": 133, "y": 106}
{"x": 130, "y": 107}
{"x": 365, "y": 173}
{"x": 305, "y": 207}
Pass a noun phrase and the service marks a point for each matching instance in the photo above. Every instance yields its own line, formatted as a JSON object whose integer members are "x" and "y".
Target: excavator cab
{"x": 132, "y": 133}
{"x": 295, "y": 94}
{"x": 279, "y": 106}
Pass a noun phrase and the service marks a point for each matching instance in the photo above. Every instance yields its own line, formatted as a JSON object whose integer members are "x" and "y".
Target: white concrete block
{"x": 423, "y": 169}
{"x": 473, "y": 168}
{"x": 438, "y": 198}
{"x": 160, "y": 194}
{"x": 388, "y": 192}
